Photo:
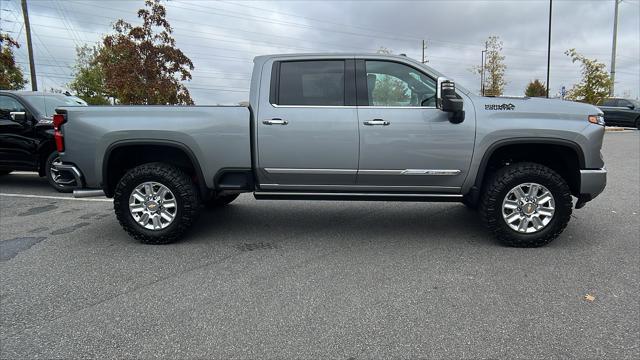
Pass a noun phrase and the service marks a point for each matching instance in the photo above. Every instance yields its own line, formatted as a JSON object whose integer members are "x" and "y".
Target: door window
{"x": 395, "y": 84}
{"x": 319, "y": 83}
{"x": 610, "y": 102}
{"x": 8, "y": 105}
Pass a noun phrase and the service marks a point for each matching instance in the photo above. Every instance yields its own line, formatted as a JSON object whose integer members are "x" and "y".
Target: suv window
{"x": 395, "y": 84}
{"x": 610, "y": 102}
{"x": 8, "y": 105}
{"x": 319, "y": 83}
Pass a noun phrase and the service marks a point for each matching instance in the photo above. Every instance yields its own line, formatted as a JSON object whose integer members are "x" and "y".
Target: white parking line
{"x": 54, "y": 197}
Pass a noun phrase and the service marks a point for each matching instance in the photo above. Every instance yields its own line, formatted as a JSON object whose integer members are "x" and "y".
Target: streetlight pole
{"x": 613, "y": 48}
{"x": 549, "y": 46}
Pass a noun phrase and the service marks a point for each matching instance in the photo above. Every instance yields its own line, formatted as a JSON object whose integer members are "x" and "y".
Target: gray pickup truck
{"x": 341, "y": 127}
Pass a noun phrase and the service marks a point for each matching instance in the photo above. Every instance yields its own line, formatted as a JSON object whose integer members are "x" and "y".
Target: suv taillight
{"x": 58, "y": 120}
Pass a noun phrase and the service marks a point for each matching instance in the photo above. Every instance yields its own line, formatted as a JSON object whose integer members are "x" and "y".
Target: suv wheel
{"x": 156, "y": 203}
{"x": 526, "y": 205}
{"x": 220, "y": 201}
{"x": 62, "y": 181}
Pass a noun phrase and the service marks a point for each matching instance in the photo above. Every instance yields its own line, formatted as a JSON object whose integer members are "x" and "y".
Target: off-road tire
{"x": 184, "y": 190}
{"x": 505, "y": 179}
{"x": 47, "y": 172}
{"x": 220, "y": 201}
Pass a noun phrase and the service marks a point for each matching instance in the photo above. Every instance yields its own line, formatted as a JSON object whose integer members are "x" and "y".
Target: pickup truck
{"x": 341, "y": 127}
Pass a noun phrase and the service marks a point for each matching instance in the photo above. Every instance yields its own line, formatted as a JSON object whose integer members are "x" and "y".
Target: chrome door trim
{"x": 434, "y": 172}
{"x": 374, "y": 188}
{"x": 311, "y": 171}
{"x": 351, "y": 107}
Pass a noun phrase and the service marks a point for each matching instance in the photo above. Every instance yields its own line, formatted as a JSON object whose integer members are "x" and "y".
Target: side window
{"x": 610, "y": 102}
{"x": 8, "y": 105}
{"x": 319, "y": 83}
{"x": 395, "y": 84}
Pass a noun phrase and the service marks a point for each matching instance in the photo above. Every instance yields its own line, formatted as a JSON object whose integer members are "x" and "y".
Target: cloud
{"x": 221, "y": 38}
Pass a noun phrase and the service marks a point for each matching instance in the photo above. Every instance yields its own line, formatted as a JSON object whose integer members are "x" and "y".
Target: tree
{"x": 389, "y": 89}
{"x": 141, "y": 64}
{"x": 11, "y": 76}
{"x": 89, "y": 79}
{"x": 536, "y": 89}
{"x": 596, "y": 82}
{"x": 494, "y": 68}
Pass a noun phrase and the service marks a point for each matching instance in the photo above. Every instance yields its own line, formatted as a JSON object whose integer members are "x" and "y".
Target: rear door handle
{"x": 377, "y": 122}
{"x": 275, "y": 121}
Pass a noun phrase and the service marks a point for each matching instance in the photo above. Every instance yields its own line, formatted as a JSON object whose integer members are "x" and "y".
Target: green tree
{"x": 494, "y": 68}
{"x": 11, "y": 76}
{"x": 142, "y": 64}
{"x": 389, "y": 89}
{"x": 88, "y": 82}
{"x": 595, "y": 83}
{"x": 536, "y": 89}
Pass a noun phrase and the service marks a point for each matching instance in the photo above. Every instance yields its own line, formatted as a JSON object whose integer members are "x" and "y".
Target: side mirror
{"x": 448, "y": 101}
{"x": 631, "y": 107}
{"x": 18, "y": 116}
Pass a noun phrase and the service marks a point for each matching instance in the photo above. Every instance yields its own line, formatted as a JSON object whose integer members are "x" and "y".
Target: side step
{"x": 349, "y": 196}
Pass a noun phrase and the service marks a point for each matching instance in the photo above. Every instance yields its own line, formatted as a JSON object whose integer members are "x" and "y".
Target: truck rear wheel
{"x": 156, "y": 203}
{"x": 526, "y": 205}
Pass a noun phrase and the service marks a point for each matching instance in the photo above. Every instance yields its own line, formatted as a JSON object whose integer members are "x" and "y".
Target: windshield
{"x": 47, "y": 104}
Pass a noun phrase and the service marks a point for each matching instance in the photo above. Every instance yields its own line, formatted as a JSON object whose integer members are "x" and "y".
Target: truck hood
{"x": 535, "y": 107}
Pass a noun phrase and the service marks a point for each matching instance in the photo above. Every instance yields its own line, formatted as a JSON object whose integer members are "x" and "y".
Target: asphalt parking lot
{"x": 279, "y": 279}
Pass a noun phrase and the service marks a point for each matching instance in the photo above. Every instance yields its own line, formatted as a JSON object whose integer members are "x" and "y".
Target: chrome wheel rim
{"x": 153, "y": 205}
{"x": 528, "y": 208}
{"x": 57, "y": 175}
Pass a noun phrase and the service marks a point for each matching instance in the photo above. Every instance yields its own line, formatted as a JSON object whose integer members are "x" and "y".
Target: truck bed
{"x": 217, "y": 137}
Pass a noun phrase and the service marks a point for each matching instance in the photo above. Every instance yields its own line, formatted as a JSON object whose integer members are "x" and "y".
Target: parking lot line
{"x": 53, "y": 197}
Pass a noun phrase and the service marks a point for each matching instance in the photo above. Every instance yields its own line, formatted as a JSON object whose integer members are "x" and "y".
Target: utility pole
{"x": 549, "y": 46}
{"x": 613, "y": 49}
{"x": 482, "y": 72}
{"x": 424, "y": 47}
{"x": 32, "y": 65}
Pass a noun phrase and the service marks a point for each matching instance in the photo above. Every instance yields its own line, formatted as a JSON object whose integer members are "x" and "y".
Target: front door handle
{"x": 377, "y": 122}
{"x": 275, "y": 121}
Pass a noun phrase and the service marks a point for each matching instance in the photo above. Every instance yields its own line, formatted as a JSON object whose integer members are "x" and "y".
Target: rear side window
{"x": 319, "y": 83}
{"x": 610, "y": 102}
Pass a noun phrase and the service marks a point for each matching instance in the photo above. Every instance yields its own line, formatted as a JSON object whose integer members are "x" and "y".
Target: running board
{"x": 349, "y": 196}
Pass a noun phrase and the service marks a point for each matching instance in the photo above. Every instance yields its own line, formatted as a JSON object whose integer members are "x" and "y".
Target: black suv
{"x": 621, "y": 112}
{"x": 26, "y": 134}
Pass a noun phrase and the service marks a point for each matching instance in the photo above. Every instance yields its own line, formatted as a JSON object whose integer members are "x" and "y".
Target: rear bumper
{"x": 592, "y": 183}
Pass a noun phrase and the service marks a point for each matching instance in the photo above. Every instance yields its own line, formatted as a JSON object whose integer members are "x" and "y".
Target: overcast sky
{"x": 222, "y": 37}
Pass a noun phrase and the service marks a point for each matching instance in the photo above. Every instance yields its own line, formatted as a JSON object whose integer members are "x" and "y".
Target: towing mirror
{"x": 18, "y": 116}
{"x": 448, "y": 101}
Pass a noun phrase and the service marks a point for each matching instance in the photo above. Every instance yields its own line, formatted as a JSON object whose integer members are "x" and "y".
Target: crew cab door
{"x": 307, "y": 129}
{"x": 406, "y": 143}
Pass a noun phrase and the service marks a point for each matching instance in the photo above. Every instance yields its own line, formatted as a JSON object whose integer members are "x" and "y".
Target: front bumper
{"x": 592, "y": 183}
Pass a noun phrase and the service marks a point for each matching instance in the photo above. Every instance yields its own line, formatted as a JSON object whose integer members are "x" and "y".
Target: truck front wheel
{"x": 156, "y": 203}
{"x": 526, "y": 205}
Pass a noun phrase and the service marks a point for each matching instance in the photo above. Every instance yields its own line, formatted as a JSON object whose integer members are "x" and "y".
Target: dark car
{"x": 26, "y": 134}
{"x": 621, "y": 112}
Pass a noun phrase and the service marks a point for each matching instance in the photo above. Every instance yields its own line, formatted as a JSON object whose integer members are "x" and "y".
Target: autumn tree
{"x": 11, "y": 76}
{"x": 494, "y": 67}
{"x": 595, "y": 84}
{"x": 89, "y": 78}
{"x": 142, "y": 64}
{"x": 536, "y": 89}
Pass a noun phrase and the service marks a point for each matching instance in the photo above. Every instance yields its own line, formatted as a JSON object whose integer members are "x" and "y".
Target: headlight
{"x": 596, "y": 119}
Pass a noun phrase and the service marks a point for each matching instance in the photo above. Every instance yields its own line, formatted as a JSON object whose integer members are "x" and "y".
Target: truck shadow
{"x": 291, "y": 221}
{"x": 25, "y": 182}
